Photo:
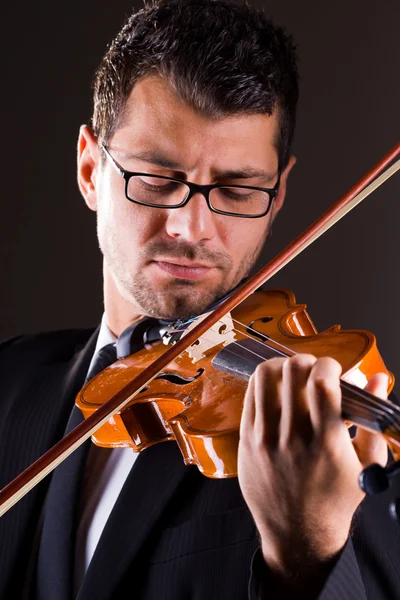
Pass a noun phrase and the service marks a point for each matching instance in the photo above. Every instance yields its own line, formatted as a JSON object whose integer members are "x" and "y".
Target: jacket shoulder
{"x": 53, "y": 346}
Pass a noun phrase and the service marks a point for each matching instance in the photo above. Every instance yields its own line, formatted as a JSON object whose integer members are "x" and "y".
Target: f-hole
{"x": 250, "y": 329}
{"x": 175, "y": 378}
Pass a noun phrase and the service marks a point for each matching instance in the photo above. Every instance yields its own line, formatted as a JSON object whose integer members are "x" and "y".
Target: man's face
{"x": 172, "y": 263}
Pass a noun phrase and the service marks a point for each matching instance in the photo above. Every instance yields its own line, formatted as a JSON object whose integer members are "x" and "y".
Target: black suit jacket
{"x": 173, "y": 533}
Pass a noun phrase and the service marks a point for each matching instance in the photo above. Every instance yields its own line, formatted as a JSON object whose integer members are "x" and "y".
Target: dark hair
{"x": 220, "y": 58}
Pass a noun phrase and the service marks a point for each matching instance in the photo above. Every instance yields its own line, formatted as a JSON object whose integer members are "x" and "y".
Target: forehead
{"x": 155, "y": 117}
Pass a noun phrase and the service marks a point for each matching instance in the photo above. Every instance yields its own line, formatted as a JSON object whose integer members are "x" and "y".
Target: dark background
{"x": 348, "y": 119}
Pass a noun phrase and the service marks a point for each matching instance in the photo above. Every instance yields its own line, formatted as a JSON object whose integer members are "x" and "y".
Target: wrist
{"x": 301, "y": 559}
{"x": 298, "y": 577}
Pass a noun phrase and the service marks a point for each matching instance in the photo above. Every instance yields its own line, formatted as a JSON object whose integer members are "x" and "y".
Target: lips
{"x": 183, "y": 271}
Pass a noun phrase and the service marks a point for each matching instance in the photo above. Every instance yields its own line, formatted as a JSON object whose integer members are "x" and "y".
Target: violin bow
{"x": 29, "y": 478}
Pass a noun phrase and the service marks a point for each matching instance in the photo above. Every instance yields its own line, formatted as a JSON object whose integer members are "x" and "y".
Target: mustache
{"x": 189, "y": 251}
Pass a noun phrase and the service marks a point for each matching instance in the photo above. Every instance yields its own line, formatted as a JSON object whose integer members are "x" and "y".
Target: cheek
{"x": 244, "y": 237}
{"x": 123, "y": 224}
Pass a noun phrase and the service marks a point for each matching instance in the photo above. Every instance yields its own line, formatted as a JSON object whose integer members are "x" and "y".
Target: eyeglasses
{"x": 166, "y": 192}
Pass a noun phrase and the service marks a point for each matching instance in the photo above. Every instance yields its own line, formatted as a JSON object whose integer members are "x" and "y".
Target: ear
{"x": 280, "y": 198}
{"x": 88, "y": 162}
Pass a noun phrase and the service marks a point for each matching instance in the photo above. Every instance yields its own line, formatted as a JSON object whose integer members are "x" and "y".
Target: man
{"x": 186, "y": 166}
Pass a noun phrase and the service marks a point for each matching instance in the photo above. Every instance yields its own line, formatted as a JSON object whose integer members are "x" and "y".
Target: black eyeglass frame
{"x": 194, "y": 188}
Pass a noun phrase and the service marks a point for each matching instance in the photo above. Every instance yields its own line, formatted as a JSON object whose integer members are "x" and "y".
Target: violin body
{"x": 198, "y": 398}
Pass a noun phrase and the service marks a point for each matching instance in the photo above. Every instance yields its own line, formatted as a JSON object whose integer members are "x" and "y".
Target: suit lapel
{"x": 46, "y": 396}
{"x": 147, "y": 491}
{"x": 57, "y": 543}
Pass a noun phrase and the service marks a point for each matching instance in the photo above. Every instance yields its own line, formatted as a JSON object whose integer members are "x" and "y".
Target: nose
{"x": 194, "y": 222}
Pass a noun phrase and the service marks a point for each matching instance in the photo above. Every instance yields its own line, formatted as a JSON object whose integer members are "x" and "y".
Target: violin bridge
{"x": 222, "y": 332}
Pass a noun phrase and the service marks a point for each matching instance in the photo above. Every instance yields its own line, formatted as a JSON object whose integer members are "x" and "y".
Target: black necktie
{"x": 104, "y": 358}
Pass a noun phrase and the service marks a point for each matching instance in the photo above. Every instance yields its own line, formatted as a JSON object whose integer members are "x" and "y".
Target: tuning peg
{"x": 376, "y": 479}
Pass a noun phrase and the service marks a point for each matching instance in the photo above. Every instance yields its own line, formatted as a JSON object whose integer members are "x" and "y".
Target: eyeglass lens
{"x": 165, "y": 193}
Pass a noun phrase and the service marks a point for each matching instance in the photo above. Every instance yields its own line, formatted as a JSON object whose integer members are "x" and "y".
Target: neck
{"x": 120, "y": 313}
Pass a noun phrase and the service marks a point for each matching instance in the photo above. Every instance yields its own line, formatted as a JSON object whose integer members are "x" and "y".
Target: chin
{"x": 170, "y": 307}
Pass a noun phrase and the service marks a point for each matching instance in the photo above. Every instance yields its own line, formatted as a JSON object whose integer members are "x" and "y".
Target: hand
{"x": 297, "y": 465}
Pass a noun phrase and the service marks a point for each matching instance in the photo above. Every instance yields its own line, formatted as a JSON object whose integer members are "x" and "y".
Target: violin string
{"x": 291, "y": 352}
{"x": 375, "y": 404}
{"x": 393, "y": 426}
{"x": 362, "y": 409}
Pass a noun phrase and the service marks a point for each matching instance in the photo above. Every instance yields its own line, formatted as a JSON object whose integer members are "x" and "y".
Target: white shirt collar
{"x": 105, "y": 337}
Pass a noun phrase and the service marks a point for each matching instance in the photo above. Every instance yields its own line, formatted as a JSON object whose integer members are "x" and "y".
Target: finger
{"x": 295, "y": 418}
{"x": 325, "y": 397}
{"x": 249, "y": 411}
{"x": 378, "y": 385}
{"x": 268, "y": 400}
{"x": 371, "y": 447}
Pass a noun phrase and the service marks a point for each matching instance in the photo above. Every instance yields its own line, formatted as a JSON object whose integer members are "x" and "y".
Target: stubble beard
{"x": 179, "y": 298}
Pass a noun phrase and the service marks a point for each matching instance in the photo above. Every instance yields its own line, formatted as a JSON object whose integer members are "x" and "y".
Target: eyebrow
{"x": 248, "y": 173}
{"x": 161, "y": 161}
{"x": 152, "y": 158}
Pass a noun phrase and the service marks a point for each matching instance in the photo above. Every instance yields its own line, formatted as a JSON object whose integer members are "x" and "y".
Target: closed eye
{"x": 239, "y": 194}
{"x": 155, "y": 184}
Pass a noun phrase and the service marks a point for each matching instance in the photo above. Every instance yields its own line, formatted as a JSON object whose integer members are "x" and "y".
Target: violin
{"x": 192, "y": 390}
{"x": 197, "y": 399}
